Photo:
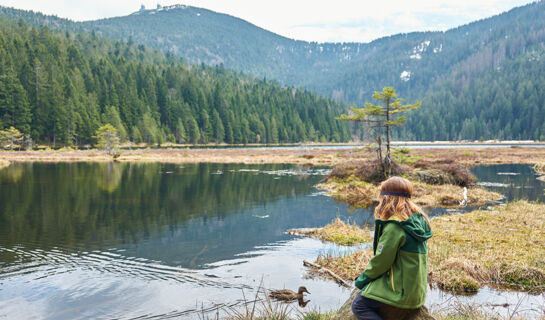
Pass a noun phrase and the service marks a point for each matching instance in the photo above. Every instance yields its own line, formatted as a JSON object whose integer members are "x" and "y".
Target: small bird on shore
{"x": 288, "y": 295}
{"x": 464, "y": 202}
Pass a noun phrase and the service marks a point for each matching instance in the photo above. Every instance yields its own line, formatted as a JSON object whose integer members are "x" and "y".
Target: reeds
{"x": 262, "y": 307}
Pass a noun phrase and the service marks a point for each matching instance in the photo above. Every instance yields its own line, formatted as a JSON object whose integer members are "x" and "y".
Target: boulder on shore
{"x": 387, "y": 313}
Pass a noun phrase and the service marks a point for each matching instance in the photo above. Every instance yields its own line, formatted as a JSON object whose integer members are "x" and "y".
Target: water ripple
{"x": 42, "y": 264}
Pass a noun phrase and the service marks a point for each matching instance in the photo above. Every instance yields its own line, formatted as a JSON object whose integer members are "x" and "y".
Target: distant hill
{"x": 464, "y": 75}
{"x": 60, "y": 87}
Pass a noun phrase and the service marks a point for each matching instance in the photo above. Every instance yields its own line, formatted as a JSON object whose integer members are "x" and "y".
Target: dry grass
{"x": 450, "y": 195}
{"x": 328, "y": 157}
{"x": 347, "y": 266}
{"x": 360, "y": 194}
{"x": 339, "y": 232}
{"x": 540, "y": 168}
{"x": 504, "y": 247}
{"x": 356, "y": 193}
{"x": 485, "y": 156}
{"x": 4, "y": 163}
{"x": 261, "y": 307}
{"x": 473, "y": 311}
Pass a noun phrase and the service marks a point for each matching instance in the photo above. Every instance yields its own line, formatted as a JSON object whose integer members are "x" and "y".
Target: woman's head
{"x": 395, "y": 199}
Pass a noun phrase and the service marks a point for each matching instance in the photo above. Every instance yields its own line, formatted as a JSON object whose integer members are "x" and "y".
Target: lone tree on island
{"x": 380, "y": 119}
{"x": 108, "y": 139}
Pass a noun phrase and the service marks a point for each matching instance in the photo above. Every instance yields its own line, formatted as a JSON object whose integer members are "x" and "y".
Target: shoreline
{"x": 301, "y": 156}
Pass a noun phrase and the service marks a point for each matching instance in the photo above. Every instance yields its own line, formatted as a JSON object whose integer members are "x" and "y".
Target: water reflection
{"x": 193, "y": 216}
{"x": 514, "y": 181}
{"x": 120, "y": 240}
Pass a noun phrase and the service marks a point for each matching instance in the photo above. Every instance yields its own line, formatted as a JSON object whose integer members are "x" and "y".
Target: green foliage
{"x": 482, "y": 79}
{"x": 108, "y": 139}
{"x": 59, "y": 88}
{"x": 381, "y": 118}
{"x": 11, "y": 138}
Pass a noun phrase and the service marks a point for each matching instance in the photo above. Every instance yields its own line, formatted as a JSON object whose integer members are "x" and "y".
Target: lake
{"x": 122, "y": 240}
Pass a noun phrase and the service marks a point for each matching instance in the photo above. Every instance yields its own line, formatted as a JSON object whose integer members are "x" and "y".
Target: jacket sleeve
{"x": 361, "y": 281}
{"x": 392, "y": 238}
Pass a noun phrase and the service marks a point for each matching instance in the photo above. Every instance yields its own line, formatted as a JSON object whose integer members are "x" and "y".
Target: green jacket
{"x": 397, "y": 273}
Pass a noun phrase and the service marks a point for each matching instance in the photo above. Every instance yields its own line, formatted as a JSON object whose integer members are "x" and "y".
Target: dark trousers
{"x": 366, "y": 309}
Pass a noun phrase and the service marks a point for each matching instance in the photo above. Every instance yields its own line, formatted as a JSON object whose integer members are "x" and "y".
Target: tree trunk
{"x": 388, "y": 161}
{"x": 387, "y": 313}
{"x": 379, "y": 150}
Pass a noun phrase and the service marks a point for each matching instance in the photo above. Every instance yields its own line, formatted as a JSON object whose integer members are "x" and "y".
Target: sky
{"x": 310, "y": 20}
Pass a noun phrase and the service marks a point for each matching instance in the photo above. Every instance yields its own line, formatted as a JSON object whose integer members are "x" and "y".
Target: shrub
{"x": 460, "y": 175}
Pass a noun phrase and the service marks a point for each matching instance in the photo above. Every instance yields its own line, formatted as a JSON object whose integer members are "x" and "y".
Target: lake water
{"x": 119, "y": 240}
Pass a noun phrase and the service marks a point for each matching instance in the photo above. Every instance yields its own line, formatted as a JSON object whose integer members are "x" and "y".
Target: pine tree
{"x": 382, "y": 118}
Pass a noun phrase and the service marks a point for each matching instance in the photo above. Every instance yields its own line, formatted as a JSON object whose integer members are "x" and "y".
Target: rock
{"x": 387, "y": 313}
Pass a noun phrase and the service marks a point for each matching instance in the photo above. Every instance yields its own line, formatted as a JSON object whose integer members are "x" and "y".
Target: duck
{"x": 288, "y": 295}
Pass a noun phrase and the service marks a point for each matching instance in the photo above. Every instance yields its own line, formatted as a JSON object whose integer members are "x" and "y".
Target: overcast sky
{"x": 311, "y": 20}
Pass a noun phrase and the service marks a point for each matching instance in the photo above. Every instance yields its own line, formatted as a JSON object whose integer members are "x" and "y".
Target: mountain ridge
{"x": 417, "y": 64}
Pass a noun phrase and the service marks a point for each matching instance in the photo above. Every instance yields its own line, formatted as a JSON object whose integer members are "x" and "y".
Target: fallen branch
{"x": 329, "y": 272}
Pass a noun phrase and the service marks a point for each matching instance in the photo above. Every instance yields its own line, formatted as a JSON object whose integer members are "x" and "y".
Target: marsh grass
{"x": 402, "y": 155}
{"x": 503, "y": 247}
{"x": 361, "y": 194}
{"x": 328, "y": 157}
{"x": 347, "y": 265}
{"x": 262, "y": 307}
{"x": 339, "y": 232}
{"x": 470, "y": 311}
{"x": 450, "y": 195}
{"x": 540, "y": 168}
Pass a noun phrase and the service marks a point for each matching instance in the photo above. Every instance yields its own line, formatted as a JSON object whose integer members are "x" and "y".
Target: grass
{"x": 262, "y": 307}
{"x": 540, "y": 168}
{"x": 317, "y": 315}
{"x": 326, "y": 157}
{"x": 503, "y": 247}
{"x": 346, "y": 266}
{"x": 401, "y": 155}
{"x": 361, "y": 194}
{"x": 339, "y": 232}
{"x": 356, "y": 193}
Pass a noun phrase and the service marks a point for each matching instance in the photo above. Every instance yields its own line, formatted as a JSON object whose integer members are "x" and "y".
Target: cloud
{"x": 312, "y": 20}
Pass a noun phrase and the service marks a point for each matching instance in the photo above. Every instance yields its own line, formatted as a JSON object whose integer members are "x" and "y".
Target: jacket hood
{"x": 417, "y": 226}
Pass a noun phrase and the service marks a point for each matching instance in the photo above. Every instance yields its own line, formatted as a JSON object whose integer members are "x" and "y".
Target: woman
{"x": 397, "y": 273}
